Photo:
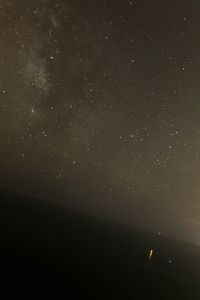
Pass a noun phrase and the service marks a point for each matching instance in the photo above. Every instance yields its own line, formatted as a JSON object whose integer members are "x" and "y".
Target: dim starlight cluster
{"x": 104, "y": 96}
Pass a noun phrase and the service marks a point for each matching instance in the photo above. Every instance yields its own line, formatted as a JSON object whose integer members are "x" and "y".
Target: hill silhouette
{"x": 48, "y": 252}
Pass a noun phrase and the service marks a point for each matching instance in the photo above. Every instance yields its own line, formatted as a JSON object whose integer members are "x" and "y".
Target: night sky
{"x": 100, "y": 108}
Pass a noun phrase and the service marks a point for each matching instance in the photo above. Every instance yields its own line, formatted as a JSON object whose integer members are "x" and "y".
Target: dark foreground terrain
{"x": 47, "y": 252}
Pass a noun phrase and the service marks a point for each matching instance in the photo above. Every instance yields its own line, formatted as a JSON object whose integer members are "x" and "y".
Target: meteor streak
{"x": 151, "y": 254}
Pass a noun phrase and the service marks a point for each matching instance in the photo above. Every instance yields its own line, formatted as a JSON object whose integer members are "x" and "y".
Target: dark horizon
{"x": 51, "y": 252}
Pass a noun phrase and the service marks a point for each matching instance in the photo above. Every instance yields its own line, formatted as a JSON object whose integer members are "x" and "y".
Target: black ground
{"x": 47, "y": 252}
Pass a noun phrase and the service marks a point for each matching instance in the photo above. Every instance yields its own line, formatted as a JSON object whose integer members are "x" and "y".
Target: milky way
{"x": 100, "y": 109}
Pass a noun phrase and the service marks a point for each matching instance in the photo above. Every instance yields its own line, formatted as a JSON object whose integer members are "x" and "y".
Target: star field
{"x": 100, "y": 109}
